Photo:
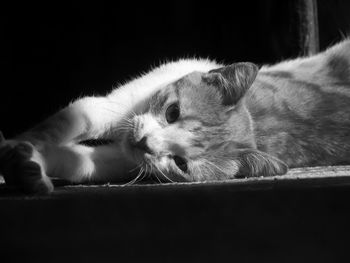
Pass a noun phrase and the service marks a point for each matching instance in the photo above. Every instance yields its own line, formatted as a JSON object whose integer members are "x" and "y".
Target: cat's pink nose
{"x": 142, "y": 145}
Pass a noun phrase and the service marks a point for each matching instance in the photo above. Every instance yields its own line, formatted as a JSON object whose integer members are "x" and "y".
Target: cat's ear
{"x": 254, "y": 163}
{"x": 233, "y": 81}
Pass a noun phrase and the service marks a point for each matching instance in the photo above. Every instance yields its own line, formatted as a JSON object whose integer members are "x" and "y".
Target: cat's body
{"x": 301, "y": 109}
{"x": 195, "y": 120}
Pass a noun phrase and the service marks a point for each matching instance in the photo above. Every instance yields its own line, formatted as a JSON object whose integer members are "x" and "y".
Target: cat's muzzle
{"x": 143, "y": 145}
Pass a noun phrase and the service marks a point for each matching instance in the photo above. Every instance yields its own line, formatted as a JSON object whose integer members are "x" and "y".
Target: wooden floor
{"x": 301, "y": 217}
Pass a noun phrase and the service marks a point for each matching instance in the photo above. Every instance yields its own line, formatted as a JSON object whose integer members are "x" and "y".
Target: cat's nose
{"x": 142, "y": 145}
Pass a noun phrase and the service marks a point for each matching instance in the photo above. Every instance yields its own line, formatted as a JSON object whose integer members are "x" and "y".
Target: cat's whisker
{"x": 137, "y": 167}
{"x": 142, "y": 177}
{"x": 125, "y": 125}
{"x": 127, "y": 122}
{"x": 210, "y": 168}
{"x": 201, "y": 172}
{"x": 146, "y": 169}
{"x": 214, "y": 173}
{"x": 150, "y": 170}
{"x": 151, "y": 166}
{"x": 124, "y": 114}
{"x": 133, "y": 113}
{"x": 160, "y": 181}
{"x": 156, "y": 176}
{"x": 166, "y": 177}
{"x": 215, "y": 166}
{"x": 136, "y": 178}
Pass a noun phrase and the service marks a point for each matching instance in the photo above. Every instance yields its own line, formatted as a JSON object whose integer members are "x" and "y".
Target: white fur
{"x": 93, "y": 117}
{"x": 104, "y": 113}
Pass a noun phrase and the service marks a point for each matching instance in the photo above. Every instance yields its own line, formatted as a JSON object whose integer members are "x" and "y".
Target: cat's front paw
{"x": 254, "y": 163}
{"x": 22, "y": 166}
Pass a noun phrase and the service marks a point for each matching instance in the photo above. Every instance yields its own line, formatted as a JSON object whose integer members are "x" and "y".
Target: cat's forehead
{"x": 172, "y": 91}
{"x": 191, "y": 80}
{"x": 194, "y": 78}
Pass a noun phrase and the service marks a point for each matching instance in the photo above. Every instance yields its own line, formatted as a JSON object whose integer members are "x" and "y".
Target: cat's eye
{"x": 172, "y": 113}
{"x": 181, "y": 163}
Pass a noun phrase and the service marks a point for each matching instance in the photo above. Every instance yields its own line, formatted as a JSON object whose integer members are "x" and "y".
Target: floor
{"x": 301, "y": 217}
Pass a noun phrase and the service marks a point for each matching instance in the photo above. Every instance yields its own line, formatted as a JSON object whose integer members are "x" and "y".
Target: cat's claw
{"x": 20, "y": 165}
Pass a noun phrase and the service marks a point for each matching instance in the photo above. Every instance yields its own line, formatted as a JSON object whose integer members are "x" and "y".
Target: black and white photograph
{"x": 175, "y": 131}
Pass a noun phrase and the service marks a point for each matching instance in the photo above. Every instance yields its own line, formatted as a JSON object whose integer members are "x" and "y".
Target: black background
{"x": 54, "y": 52}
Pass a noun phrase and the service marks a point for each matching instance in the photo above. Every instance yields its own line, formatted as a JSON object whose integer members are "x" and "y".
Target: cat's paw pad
{"x": 21, "y": 166}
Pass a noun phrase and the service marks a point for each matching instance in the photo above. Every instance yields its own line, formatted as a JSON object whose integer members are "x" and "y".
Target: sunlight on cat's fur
{"x": 194, "y": 127}
{"x": 194, "y": 120}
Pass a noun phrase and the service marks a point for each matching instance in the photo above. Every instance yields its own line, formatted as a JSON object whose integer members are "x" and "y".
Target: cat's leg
{"x": 254, "y": 163}
{"x": 23, "y": 166}
{"x": 24, "y": 156}
{"x": 86, "y": 118}
{"x": 231, "y": 163}
{"x": 80, "y": 163}
{"x": 28, "y": 169}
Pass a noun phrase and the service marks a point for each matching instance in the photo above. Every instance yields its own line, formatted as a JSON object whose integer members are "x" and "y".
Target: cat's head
{"x": 190, "y": 124}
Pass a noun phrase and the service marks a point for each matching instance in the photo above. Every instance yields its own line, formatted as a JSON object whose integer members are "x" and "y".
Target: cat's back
{"x": 329, "y": 66}
{"x": 306, "y": 87}
{"x": 303, "y": 104}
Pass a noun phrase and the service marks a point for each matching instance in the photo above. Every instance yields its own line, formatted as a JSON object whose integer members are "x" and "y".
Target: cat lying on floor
{"x": 194, "y": 120}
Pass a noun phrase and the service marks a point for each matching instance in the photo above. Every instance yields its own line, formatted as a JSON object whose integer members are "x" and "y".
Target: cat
{"x": 194, "y": 120}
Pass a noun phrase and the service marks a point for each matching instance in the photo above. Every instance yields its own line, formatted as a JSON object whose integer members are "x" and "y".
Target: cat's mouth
{"x": 162, "y": 159}
{"x": 141, "y": 152}
{"x": 138, "y": 152}
{"x": 164, "y": 167}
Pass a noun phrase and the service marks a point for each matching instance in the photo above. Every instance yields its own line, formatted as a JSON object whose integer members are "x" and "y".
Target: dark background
{"x": 53, "y": 52}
